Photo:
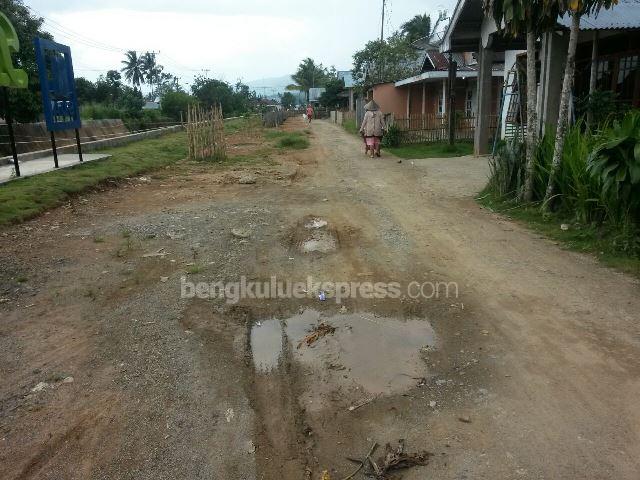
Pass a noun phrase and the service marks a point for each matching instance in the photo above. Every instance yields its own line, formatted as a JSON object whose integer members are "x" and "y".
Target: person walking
{"x": 309, "y": 112}
{"x": 372, "y": 128}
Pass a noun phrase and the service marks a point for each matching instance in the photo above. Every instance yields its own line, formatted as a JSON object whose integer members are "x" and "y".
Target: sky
{"x": 227, "y": 39}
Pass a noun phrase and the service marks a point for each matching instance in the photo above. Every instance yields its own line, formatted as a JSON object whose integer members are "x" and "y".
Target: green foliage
{"x": 26, "y": 104}
{"x": 175, "y": 103}
{"x": 235, "y": 100}
{"x": 331, "y": 96}
{"x": 615, "y": 162}
{"x": 384, "y": 61}
{"x": 392, "y": 136}
{"x": 350, "y": 126}
{"x": 133, "y": 68}
{"x": 506, "y": 170}
{"x": 420, "y": 27}
{"x": 309, "y": 75}
{"x": 602, "y": 105}
{"x": 288, "y": 100}
{"x": 516, "y": 17}
{"x": 431, "y": 150}
{"x": 296, "y": 140}
{"x": 28, "y": 197}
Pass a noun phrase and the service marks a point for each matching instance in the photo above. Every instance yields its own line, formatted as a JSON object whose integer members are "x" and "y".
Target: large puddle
{"x": 366, "y": 353}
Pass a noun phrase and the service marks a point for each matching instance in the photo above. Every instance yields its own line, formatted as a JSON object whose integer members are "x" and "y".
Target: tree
{"x": 331, "y": 96}
{"x": 85, "y": 90}
{"x": 288, "y": 100}
{"x": 420, "y": 27}
{"x": 575, "y": 9}
{"x": 175, "y": 103}
{"x": 384, "y": 61}
{"x": 528, "y": 17}
{"x": 26, "y": 104}
{"x": 210, "y": 91}
{"x": 133, "y": 68}
{"x": 309, "y": 75}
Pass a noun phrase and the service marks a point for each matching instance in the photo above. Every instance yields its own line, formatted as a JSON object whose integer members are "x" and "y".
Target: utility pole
{"x": 382, "y": 26}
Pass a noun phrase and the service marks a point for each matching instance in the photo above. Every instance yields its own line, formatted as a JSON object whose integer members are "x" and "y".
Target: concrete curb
{"x": 95, "y": 144}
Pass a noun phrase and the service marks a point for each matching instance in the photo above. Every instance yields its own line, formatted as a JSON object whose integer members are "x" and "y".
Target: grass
{"x": 598, "y": 241}
{"x": 431, "y": 150}
{"x": 296, "y": 139}
{"x": 350, "y": 126}
{"x": 25, "y": 198}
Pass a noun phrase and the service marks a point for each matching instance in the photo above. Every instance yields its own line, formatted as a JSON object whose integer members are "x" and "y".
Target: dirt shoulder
{"x": 513, "y": 378}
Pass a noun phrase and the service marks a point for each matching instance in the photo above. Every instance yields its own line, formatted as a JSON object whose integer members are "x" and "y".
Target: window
{"x": 440, "y": 105}
{"x": 628, "y": 70}
{"x": 468, "y": 103}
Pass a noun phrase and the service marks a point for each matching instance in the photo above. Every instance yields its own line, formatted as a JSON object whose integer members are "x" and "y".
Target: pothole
{"x": 366, "y": 354}
{"x": 314, "y": 235}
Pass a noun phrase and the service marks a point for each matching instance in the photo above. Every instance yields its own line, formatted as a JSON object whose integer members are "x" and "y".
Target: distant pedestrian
{"x": 309, "y": 112}
{"x": 372, "y": 128}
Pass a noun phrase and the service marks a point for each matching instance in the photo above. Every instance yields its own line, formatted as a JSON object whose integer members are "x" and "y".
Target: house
{"x": 607, "y": 46}
{"x": 349, "y": 85}
{"x": 314, "y": 95}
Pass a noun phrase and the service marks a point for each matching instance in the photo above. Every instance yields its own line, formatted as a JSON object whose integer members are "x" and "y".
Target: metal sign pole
{"x": 78, "y": 143}
{"x": 53, "y": 147}
{"x": 12, "y": 138}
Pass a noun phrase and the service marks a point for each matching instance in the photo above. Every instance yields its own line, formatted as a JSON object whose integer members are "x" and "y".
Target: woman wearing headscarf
{"x": 372, "y": 128}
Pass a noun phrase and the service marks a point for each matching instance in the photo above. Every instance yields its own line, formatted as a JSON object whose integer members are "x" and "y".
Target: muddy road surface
{"x": 170, "y": 327}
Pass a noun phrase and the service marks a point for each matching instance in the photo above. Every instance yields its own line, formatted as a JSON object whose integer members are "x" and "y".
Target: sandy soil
{"x": 530, "y": 372}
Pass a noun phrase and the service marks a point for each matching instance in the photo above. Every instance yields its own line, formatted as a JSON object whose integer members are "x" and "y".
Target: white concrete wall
{"x": 509, "y": 62}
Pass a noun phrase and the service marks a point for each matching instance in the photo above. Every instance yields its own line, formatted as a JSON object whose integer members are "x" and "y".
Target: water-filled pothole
{"x": 376, "y": 354}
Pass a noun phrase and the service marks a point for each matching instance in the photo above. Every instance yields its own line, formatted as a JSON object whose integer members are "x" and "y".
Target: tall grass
{"x": 582, "y": 197}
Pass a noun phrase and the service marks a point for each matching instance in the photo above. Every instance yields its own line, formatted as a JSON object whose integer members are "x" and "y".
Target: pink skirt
{"x": 372, "y": 142}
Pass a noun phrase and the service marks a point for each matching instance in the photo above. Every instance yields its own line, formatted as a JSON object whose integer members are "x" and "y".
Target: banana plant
{"x": 616, "y": 162}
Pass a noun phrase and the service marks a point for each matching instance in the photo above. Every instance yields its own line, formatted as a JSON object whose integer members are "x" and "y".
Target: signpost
{"x": 57, "y": 84}
{"x": 10, "y": 77}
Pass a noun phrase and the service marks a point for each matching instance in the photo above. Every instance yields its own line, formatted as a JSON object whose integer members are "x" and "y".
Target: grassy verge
{"x": 350, "y": 126}
{"x": 605, "y": 243}
{"x": 431, "y": 150}
{"x": 296, "y": 139}
{"x": 28, "y": 197}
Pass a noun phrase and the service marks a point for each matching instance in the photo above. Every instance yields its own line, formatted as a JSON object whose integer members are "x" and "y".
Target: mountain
{"x": 272, "y": 86}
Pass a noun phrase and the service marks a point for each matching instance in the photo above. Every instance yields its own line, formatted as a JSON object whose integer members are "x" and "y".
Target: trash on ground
{"x": 395, "y": 459}
{"x": 317, "y": 333}
{"x": 158, "y": 253}
{"x": 361, "y": 404}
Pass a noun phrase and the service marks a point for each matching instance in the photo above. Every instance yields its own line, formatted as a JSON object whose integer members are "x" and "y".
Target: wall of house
{"x": 391, "y": 99}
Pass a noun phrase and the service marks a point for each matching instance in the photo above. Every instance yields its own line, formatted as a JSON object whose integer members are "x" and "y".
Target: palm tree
{"x": 514, "y": 18}
{"x": 420, "y": 27}
{"x": 308, "y": 75}
{"x": 133, "y": 68}
{"x": 149, "y": 69}
{"x": 575, "y": 8}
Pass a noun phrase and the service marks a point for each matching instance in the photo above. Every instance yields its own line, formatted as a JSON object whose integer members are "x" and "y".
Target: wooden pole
{"x": 78, "y": 144}
{"x": 594, "y": 75}
{"x": 55, "y": 151}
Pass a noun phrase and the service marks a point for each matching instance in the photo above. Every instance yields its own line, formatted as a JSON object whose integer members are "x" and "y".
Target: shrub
{"x": 506, "y": 170}
{"x": 392, "y": 136}
{"x": 615, "y": 162}
{"x": 293, "y": 141}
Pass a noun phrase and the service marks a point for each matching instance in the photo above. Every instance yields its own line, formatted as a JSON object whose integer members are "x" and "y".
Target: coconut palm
{"x": 420, "y": 27}
{"x": 525, "y": 17}
{"x": 132, "y": 69}
{"x": 575, "y": 9}
{"x": 308, "y": 75}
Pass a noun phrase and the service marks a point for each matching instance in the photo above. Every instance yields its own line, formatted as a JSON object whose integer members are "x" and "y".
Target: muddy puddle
{"x": 366, "y": 354}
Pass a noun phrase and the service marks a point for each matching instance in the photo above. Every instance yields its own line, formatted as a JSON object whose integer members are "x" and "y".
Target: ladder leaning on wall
{"x": 514, "y": 123}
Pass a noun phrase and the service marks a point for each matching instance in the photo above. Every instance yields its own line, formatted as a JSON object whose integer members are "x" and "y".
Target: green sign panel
{"x": 9, "y": 43}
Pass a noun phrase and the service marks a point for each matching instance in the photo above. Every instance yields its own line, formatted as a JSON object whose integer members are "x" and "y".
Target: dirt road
{"x": 109, "y": 372}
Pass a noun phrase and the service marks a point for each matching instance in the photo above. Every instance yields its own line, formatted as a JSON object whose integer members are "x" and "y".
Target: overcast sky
{"x": 234, "y": 39}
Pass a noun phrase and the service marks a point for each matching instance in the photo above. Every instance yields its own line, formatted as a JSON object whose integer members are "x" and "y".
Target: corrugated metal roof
{"x": 625, "y": 15}
{"x": 347, "y": 76}
{"x": 314, "y": 93}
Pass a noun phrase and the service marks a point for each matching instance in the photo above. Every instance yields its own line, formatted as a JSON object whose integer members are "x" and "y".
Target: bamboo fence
{"x": 205, "y": 133}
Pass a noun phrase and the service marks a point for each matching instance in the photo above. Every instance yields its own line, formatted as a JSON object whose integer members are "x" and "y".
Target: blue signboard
{"x": 57, "y": 85}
